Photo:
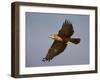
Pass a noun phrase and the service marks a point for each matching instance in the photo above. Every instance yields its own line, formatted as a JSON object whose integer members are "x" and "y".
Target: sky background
{"x": 40, "y": 25}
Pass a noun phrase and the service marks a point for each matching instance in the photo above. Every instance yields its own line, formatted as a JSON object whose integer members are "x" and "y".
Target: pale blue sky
{"x": 40, "y": 25}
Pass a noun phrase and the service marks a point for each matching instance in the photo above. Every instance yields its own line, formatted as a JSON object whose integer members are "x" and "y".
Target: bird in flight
{"x": 61, "y": 40}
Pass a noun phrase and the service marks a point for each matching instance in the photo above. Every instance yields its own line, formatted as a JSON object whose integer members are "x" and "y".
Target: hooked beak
{"x": 51, "y": 36}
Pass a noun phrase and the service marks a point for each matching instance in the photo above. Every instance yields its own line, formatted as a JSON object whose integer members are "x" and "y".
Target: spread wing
{"x": 66, "y": 31}
{"x": 56, "y": 48}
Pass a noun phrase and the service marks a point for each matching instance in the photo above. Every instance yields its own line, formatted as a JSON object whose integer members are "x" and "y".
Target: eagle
{"x": 61, "y": 40}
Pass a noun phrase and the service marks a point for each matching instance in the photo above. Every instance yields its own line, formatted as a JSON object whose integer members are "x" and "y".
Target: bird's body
{"x": 61, "y": 40}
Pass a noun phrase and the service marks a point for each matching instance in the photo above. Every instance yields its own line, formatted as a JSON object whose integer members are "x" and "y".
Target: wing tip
{"x": 44, "y": 59}
{"x": 67, "y": 21}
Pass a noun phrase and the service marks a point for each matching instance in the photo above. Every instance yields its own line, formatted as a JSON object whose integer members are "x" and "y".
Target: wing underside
{"x": 66, "y": 30}
{"x": 56, "y": 48}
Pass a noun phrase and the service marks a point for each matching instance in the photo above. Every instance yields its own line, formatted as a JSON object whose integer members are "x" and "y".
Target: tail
{"x": 75, "y": 40}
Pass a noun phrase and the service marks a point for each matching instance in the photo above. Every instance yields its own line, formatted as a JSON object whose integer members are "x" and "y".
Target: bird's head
{"x": 53, "y": 36}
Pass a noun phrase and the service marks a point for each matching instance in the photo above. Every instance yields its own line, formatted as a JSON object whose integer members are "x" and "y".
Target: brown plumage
{"x": 60, "y": 40}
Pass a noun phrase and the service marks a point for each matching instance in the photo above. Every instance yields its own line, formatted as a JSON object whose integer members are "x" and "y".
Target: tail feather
{"x": 75, "y": 40}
